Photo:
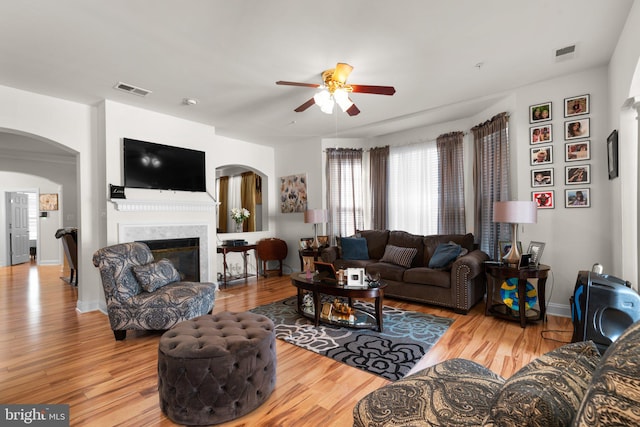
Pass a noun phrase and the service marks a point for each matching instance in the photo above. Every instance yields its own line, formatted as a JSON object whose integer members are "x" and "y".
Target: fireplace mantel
{"x": 128, "y": 205}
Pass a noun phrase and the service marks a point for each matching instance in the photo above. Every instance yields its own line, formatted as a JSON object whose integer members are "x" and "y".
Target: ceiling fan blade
{"x": 280, "y": 82}
{"x": 304, "y": 106}
{"x": 377, "y": 90}
{"x": 353, "y": 110}
{"x": 341, "y": 72}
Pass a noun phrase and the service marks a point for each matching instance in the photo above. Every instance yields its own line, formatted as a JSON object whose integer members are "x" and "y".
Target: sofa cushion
{"x": 376, "y": 241}
{"x": 428, "y": 276}
{"x": 444, "y": 255}
{"x": 431, "y": 243}
{"x": 455, "y": 392}
{"x": 407, "y": 240}
{"x": 399, "y": 256}
{"x": 387, "y": 271}
{"x": 155, "y": 275}
{"x": 354, "y": 248}
{"x": 547, "y": 391}
{"x": 613, "y": 395}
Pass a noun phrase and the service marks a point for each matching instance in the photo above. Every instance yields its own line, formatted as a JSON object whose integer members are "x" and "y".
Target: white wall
{"x": 123, "y": 121}
{"x": 624, "y": 83}
{"x": 71, "y": 125}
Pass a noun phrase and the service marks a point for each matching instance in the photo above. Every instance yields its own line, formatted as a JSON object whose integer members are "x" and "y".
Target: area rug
{"x": 407, "y": 336}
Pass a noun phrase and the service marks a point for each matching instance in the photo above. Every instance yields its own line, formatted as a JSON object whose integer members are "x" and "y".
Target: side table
{"x": 497, "y": 273}
{"x": 243, "y": 249}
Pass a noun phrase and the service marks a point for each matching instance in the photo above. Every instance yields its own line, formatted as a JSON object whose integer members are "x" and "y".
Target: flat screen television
{"x": 163, "y": 167}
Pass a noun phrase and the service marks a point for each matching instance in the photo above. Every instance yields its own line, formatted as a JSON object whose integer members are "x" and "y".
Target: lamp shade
{"x": 515, "y": 212}
{"x": 315, "y": 216}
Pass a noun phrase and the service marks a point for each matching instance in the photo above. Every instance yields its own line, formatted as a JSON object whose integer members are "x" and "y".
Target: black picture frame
{"x": 540, "y": 112}
{"x": 612, "y": 154}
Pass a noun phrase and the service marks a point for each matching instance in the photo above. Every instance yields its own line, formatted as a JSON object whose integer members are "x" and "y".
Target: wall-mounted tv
{"x": 163, "y": 167}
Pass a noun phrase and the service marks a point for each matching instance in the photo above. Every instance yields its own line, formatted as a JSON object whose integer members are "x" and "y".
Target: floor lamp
{"x": 315, "y": 217}
{"x": 514, "y": 212}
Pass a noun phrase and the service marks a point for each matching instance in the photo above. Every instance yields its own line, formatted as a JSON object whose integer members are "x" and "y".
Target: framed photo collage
{"x": 573, "y": 153}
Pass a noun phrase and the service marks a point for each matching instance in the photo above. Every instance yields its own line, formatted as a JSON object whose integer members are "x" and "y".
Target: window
{"x": 345, "y": 191}
{"x": 413, "y": 188}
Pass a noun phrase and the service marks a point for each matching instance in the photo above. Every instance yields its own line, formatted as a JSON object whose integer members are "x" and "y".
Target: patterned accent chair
{"x": 128, "y": 269}
{"x": 572, "y": 385}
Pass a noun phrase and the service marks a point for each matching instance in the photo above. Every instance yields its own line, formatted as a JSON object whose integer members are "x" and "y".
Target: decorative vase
{"x": 239, "y": 227}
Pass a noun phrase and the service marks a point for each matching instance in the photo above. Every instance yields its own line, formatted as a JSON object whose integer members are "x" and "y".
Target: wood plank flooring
{"x": 50, "y": 353}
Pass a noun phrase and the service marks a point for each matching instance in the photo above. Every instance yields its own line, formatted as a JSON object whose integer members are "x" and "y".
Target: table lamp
{"x": 315, "y": 217}
{"x": 514, "y": 212}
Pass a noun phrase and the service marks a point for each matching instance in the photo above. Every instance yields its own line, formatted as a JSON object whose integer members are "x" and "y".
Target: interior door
{"x": 19, "y": 228}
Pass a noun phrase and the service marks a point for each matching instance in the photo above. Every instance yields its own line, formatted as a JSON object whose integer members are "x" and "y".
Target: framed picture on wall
{"x": 612, "y": 154}
{"x": 579, "y": 128}
{"x": 579, "y": 198}
{"x": 540, "y": 134}
{"x": 576, "y": 151}
{"x": 576, "y": 106}
{"x": 540, "y": 112}
{"x": 542, "y": 177}
{"x": 544, "y": 199}
{"x": 48, "y": 202}
{"x": 576, "y": 175}
{"x": 541, "y": 155}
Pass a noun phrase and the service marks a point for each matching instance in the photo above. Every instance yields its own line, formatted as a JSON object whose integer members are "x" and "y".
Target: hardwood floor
{"x": 50, "y": 353}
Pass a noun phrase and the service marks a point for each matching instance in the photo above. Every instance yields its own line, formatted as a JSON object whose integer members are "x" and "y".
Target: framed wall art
{"x": 576, "y": 151}
{"x": 540, "y": 134}
{"x": 575, "y": 175}
{"x": 540, "y": 112}
{"x": 612, "y": 154}
{"x": 293, "y": 193}
{"x": 574, "y": 129}
{"x": 544, "y": 199}
{"x": 541, "y": 155}
{"x": 579, "y": 198}
{"x": 542, "y": 177}
{"x": 576, "y": 106}
{"x": 49, "y": 202}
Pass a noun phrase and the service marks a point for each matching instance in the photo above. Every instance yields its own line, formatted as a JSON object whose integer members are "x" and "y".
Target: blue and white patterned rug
{"x": 407, "y": 336}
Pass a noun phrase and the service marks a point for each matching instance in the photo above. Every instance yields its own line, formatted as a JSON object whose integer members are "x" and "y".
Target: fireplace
{"x": 184, "y": 254}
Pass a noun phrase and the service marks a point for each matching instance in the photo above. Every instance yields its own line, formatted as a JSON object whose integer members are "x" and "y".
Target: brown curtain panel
{"x": 248, "y": 198}
{"x": 491, "y": 180}
{"x": 378, "y": 181}
{"x": 451, "y": 219}
{"x": 223, "y": 199}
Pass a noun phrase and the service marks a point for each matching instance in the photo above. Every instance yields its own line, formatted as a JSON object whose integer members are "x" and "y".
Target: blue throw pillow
{"x": 444, "y": 255}
{"x": 354, "y": 248}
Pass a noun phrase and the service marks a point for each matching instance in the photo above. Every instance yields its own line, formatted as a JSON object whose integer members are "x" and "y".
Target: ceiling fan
{"x": 335, "y": 90}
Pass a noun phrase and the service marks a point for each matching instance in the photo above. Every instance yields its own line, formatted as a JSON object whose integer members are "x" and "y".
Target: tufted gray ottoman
{"x": 215, "y": 368}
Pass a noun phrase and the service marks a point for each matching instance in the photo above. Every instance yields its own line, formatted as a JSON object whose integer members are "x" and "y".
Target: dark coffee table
{"x": 364, "y": 319}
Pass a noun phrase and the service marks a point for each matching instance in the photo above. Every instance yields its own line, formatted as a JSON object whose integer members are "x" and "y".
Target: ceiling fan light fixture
{"x": 341, "y": 97}
{"x": 324, "y": 100}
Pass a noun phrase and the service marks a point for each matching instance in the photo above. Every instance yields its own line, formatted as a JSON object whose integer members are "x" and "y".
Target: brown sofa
{"x": 460, "y": 285}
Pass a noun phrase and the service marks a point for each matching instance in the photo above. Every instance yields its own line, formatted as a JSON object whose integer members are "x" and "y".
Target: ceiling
{"x": 447, "y": 59}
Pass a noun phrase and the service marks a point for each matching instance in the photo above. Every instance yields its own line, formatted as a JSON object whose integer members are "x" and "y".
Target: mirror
{"x": 240, "y": 187}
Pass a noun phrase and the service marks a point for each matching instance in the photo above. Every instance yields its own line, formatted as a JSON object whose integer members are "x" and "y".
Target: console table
{"x": 243, "y": 249}
{"x": 497, "y": 273}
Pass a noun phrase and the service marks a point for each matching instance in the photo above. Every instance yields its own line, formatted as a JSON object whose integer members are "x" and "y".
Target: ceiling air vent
{"x": 566, "y": 52}
{"x": 132, "y": 89}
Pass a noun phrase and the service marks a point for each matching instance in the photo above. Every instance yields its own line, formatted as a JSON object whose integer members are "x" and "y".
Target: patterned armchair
{"x": 146, "y": 295}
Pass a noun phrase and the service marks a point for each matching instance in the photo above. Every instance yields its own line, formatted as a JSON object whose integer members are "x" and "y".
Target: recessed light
{"x": 189, "y": 101}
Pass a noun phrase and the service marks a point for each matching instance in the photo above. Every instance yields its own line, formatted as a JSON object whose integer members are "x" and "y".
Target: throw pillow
{"x": 354, "y": 248}
{"x": 444, "y": 255}
{"x": 547, "y": 391}
{"x": 155, "y": 275}
{"x": 399, "y": 256}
